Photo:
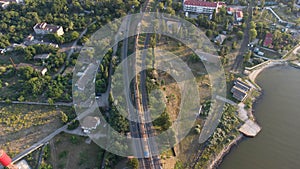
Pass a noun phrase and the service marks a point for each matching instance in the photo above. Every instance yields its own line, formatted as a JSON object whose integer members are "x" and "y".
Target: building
{"x": 42, "y": 56}
{"x": 238, "y": 93}
{"x": 220, "y": 39}
{"x": 240, "y": 90}
{"x": 39, "y": 69}
{"x": 5, "y": 3}
{"x": 44, "y": 28}
{"x": 90, "y": 123}
{"x": 86, "y": 76}
{"x": 23, "y": 165}
{"x": 2, "y": 51}
{"x": 268, "y": 42}
{"x": 230, "y": 11}
{"x": 239, "y": 15}
{"x": 201, "y": 7}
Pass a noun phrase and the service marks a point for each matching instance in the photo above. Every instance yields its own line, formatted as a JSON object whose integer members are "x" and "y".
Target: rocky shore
{"x": 219, "y": 158}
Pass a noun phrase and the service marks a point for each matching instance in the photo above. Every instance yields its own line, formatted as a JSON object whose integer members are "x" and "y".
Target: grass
{"x": 281, "y": 12}
{"x": 23, "y": 125}
{"x": 69, "y": 155}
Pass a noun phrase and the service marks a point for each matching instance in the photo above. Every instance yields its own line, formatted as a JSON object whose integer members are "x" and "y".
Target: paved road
{"x": 236, "y": 68}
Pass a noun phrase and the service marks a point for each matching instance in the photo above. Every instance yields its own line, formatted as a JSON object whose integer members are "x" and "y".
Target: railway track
{"x": 145, "y": 127}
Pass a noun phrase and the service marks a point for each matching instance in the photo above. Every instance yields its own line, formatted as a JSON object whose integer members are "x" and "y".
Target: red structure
{"x": 268, "y": 40}
{"x": 5, "y": 160}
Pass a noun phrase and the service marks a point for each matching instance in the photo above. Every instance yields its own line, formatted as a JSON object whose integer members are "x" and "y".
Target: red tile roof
{"x": 230, "y": 9}
{"x": 268, "y": 40}
{"x": 239, "y": 14}
{"x": 202, "y": 3}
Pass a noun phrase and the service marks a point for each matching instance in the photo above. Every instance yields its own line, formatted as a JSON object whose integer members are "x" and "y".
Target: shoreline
{"x": 252, "y": 77}
{"x": 226, "y": 150}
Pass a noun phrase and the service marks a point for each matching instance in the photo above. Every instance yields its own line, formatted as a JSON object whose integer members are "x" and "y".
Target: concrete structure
{"x": 23, "y": 165}
{"x": 44, "y": 28}
{"x": 250, "y": 128}
{"x": 90, "y": 123}
{"x": 201, "y": 7}
{"x": 42, "y": 56}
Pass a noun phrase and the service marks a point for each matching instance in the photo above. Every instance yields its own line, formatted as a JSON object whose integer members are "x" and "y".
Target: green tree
{"x": 21, "y": 98}
{"x": 64, "y": 117}
{"x": 252, "y": 25}
{"x": 133, "y": 163}
{"x": 247, "y": 56}
{"x": 253, "y": 34}
{"x": 240, "y": 35}
{"x": 209, "y": 33}
{"x": 50, "y": 101}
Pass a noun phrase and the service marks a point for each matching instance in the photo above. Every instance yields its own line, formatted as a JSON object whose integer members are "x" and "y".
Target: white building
{"x": 5, "y": 3}
{"x": 201, "y": 7}
{"x": 90, "y": 123}
{"x": 44, "y": 28}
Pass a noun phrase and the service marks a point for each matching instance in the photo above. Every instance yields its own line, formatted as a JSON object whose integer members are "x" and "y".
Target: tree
{"x": 133, "y": 163}
{"x": 153, "y": 41}
{"x": 253, "y": 34}
{"x": 21, "y": 98}
{"x": 247, "y": 56}
{"x": 64, "y": 117}
{"x": 262, "y": 3}
{"x": 240, "y": 35}
{"x": 27, "y": 72}
{"x": 50, "y": 101}
{"x": 252, "y": 25}
{"x": 163, "y": 121}
{"x": 209, "y": 33}
{"x": 234, "y": 45}
{"x": 74, "y": 35}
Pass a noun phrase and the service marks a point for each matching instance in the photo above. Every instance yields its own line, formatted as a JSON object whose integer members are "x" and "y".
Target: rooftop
{"x": 238, "y": 93}
{"x": 90, "y": 122}
{"x": 47, "y": 27}
{"x": 87, "y": 76}
{"x": 42, "y": 56}
{"x": 268, "y": 40}
{"x": 239, "y": 14}
{"x": 203, "y": 3}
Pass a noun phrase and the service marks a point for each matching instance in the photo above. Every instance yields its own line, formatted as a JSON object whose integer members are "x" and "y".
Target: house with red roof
{"x": 239, "y": 15}
{"x": 201, "y": 6}
{"x": 268, "y": 42}
{"x": 230, "y": 10}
